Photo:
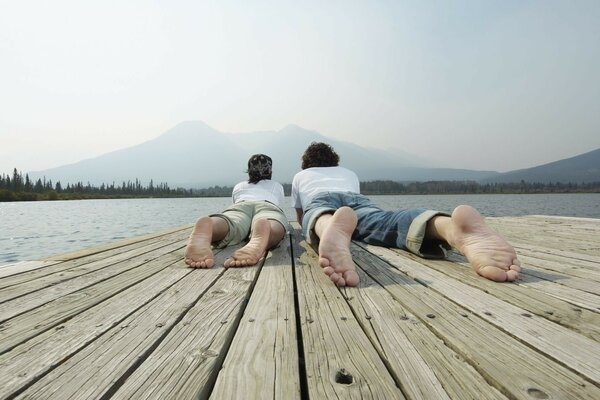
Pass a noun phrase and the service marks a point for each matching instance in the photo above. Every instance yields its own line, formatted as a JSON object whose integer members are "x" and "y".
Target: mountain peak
{"x": 187, "y": 130}
{"x": 193, "y": 154}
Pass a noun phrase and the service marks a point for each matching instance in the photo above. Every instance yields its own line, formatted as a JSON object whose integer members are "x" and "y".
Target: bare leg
{"x": 488, "y": 253}
{"x": 335, "y": 233}
{"x": 198, "y": 253}
{"x": 266, "y": 234}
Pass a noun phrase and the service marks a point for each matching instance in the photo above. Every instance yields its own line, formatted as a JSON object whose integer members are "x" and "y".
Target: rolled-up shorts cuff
{"x": 239, "y": 219}
{"x": 233, "y": 235}
{"x": 310, "y": 220}
{"x": 276, "y": 214}
{"x": 415, "y": 238}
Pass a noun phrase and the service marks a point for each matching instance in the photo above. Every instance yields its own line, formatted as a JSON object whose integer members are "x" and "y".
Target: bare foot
{"x": 198, "y": 253}
{"x": 255, "y": 249}
{"x": 334, "y": 248}
{"x": 489, "y": 254}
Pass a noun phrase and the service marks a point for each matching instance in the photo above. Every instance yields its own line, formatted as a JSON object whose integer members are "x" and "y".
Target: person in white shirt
{"x": 256, "y": 213}
{"x": 332, "y": 212}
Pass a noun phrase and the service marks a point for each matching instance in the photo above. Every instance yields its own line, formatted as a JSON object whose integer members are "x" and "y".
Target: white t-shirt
{"x": 266, "y": 189}
{"x": 312, "y": 181}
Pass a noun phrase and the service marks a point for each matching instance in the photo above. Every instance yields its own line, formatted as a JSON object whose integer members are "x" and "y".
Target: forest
{"x": 17, "y": 187}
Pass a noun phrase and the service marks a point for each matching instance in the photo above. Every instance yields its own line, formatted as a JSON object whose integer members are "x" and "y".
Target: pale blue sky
{"x": 494, "y": 85}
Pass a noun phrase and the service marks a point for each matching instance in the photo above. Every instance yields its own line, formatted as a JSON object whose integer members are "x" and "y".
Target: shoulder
{"x": 240, "y": 185}
{"x": 346, "y": 171}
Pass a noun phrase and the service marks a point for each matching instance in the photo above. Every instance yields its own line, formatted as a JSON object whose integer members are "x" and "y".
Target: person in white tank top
{"x": 255, "y": 214}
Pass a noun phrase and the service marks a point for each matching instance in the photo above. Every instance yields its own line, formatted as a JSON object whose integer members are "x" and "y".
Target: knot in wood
{"x": 344, "y": 377}
{"x": 536, "y": 393}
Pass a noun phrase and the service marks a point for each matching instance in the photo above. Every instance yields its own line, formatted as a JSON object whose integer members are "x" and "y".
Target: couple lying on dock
{"x": 332, "y": 212}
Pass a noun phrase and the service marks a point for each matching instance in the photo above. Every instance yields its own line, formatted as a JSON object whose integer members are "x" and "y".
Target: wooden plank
{"x": 72, "y": 283}
{"x": 268, "y": 327}
{"x": 420, "y": 361}
{"x": 571, "y": 349}
{"x": 592, "y": 221}
{"x": 533, "y": 300}
{"x": 577, "y": 269}
{"x": 186, "y": 362}
{"x": 558, "y": 285}
{"x": 586, "y": 263}
{"x": 340, "y": 360}
{"x": 114, "y": 245}
{"x": 19, "y": 329}
{"x": 564, "y": 236}
{"x": 116, "y": 351}
{"x": 59, "y": 350}
{"x": 23, "y": 266}
{"x": 593, "y": 260}
{"x": 576, "y": 297}
{"x": 99, "y": 259}
{"x": 512, "y": 367}
{"x": 589, "y": 285}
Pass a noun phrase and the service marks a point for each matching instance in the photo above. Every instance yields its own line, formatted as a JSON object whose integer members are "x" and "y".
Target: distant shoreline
{"x": 45, "y": 197}
{"x": 17, "y": 188}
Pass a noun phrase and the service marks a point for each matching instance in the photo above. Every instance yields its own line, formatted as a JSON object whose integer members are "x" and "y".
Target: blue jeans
{"x": 404, "y": 229}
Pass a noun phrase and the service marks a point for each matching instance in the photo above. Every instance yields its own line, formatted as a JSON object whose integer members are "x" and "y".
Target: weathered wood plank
{"x": 59, "y": 350}
{"x": 21, "y": 328}
{"x": 585, "y": 277}
{"x": 593, "y": 261}
{"x": 96, "y": 260}
{"x": 23, "y": 266}
{"x": 265, "y": 345}
{"x": 100, "y": 367}
{"x": 114, "y": 245}
{"x": 73, "y": 282}
{"x": 414, "y": 327}
{"x": 576, "y": 297}
{"x": 571, "y": 349}
{"x": 554, "y": 234}
{"x": 186, "y": 362}
{"x": 420, "y": 361}
{"x": 533, "y": 300}
{"x": 508, "y": 365}
{"x": 340, "y": 360}
{"x": 589, "y": 285}
{"x": 570, "y": 261}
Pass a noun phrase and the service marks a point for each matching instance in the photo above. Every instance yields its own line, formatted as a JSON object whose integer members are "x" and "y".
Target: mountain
{"x": 192, "y": 154}
{"x": 583, "y": 168}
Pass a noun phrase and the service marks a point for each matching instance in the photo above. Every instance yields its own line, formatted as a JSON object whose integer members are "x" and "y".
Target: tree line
{"x": 473, "y": 187}
{"x": 15, "y": 187}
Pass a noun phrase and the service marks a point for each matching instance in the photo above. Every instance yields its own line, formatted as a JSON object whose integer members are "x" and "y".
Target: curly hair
{"x": 320, "y": 155}
{"x": 260, "y": 166}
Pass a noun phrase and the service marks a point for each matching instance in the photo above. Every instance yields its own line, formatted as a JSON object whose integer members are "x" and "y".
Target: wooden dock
{"x": 129, "y": 321}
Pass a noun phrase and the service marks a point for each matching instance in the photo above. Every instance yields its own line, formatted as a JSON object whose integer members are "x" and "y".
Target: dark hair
{"x": 320, "y": 155}
{"x": 260, "y": 166}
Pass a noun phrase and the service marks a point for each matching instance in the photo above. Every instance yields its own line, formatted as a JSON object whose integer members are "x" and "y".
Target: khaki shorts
{"x": 239, "y": 218}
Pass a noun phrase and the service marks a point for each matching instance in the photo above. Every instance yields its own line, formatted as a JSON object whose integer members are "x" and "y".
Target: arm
{"x": 299, "y": 214}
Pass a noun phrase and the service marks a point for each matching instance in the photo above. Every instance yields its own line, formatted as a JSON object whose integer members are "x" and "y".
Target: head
{"x": 320, "y": 155}
{"x": 260, "y": 166}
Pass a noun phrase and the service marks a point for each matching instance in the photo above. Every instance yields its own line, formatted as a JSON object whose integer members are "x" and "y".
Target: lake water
{"x": 30, "y": 230}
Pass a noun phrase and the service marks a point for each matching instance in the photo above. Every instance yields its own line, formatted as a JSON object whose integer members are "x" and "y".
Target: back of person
{"x": 265, "y": 189}
{"x": 315, "y": 180}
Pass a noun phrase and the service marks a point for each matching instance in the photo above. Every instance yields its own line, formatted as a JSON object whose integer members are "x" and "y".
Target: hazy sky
{"x": 494, "y": 85}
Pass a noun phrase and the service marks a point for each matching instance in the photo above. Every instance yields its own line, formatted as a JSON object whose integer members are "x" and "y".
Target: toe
{"x": 493, "y": 273}
{"x": 512, "y": 275}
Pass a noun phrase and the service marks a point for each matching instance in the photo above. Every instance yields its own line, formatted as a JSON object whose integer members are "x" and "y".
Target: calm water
{"x": 30, "y": 230}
